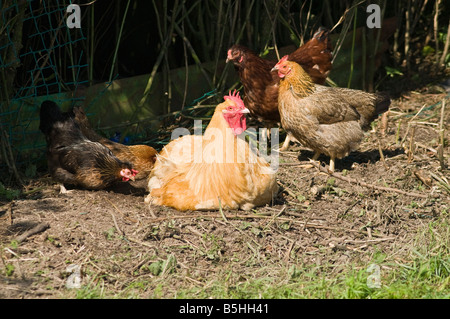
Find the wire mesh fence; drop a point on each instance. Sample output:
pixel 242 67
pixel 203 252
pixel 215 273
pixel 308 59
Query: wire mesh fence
pixel 49 56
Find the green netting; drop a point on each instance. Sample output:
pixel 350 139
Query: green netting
pixel 36 41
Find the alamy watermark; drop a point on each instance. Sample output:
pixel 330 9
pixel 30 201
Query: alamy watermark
pixel 223 146
pixel 374 19
pixel 374 279
pixel 74 18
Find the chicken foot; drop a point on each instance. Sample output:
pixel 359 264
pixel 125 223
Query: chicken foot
pixel 63 190
pixel 332 159
pixel 289 138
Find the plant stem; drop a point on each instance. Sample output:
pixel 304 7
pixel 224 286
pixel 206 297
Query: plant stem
pixel 446 46
pixel 118 42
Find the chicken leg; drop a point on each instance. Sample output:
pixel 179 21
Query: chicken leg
pixel 331 169
pixel 63 190
pixel 289 138
pixel 332 159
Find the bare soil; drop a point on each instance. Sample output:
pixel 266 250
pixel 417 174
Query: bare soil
pixel 125 249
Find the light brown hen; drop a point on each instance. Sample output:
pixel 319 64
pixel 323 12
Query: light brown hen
pixel 328 120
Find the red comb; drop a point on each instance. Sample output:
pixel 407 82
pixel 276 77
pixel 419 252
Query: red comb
pixel 283 59
pixel 235 98
pixel 134 172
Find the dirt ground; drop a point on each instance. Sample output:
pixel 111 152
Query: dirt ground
pixel 124 249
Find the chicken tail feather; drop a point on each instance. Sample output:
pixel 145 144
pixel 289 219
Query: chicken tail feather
pixel 321 34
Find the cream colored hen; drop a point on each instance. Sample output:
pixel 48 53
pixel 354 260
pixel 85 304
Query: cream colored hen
pixel 215 170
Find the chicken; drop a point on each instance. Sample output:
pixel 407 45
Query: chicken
pixel 142 157
pixel 328 120
pixel 213 171
pixel 73 159
pixel 261 85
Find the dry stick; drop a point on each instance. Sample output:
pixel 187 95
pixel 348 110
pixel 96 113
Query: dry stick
pixel 123 215
pixel 441 137
pixel 277 215
pixel 349 241
pixel 411 145
pixel 115 224
pixel 354 181
pixel 426 147
pixel 288 252
pixel 221 211
pixel 424 179
pixel 447 43
pixel 10 218
pixel 409 124
pixel 384 123
pixel 441 181
pixel 380 150
pixel 435 28
pixel 35 230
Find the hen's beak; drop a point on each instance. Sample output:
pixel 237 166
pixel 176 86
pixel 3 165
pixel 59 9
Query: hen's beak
pixel 245 110
pixel 275 68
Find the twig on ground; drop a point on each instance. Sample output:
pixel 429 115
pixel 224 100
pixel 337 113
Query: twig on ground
pixel 115 224
pixel 422 177
pixel 277 215
pixel 426 147
pixel 441 181
pixel 409 124
pixel 377 240
pixel 354 181
pixel 221 211
pixel 123 215
pixel 440 152
pixel 412 147
pixel 380 150
pixel 35 230
pixel 288 252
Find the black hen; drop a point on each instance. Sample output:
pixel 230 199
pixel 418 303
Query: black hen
pixel 73 159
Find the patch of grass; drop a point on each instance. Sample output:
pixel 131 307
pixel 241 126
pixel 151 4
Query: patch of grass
pixel 8 193
pixel 9 270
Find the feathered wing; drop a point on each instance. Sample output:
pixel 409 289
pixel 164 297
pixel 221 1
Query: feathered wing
pixel 326 105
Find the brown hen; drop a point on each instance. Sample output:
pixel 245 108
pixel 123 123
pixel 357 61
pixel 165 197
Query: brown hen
pixel 74 159
pixel 328 120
